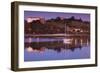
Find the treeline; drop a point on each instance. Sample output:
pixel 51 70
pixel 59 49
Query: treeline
pixel 55 25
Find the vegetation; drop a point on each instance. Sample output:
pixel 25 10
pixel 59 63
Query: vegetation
pixel 57 26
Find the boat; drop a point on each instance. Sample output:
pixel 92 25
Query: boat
pixel 67 41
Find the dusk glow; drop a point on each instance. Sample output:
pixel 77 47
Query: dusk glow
pixel 49 15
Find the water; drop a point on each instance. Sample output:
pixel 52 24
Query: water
pixel 41 49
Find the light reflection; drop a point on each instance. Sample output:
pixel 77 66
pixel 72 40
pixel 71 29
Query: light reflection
pixel 67 41
pixel 41 44
pixel 29 49
pixel 30 40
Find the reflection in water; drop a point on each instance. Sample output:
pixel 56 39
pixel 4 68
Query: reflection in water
pixel 38 49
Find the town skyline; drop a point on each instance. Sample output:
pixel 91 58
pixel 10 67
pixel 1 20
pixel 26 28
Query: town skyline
pixel 50 15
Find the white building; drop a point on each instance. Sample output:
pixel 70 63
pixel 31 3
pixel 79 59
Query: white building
pixel 30 19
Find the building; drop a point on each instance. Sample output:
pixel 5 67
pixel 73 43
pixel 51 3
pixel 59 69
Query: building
pixel 31 19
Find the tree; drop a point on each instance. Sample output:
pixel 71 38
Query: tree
pixel 72 18
pixel 58 19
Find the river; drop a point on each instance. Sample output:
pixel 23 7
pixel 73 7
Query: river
pixel 58 48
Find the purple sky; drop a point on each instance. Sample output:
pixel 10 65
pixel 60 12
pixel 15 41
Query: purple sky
pixel 49 15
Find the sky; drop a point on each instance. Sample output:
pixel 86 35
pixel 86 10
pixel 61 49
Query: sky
pixel 49 15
